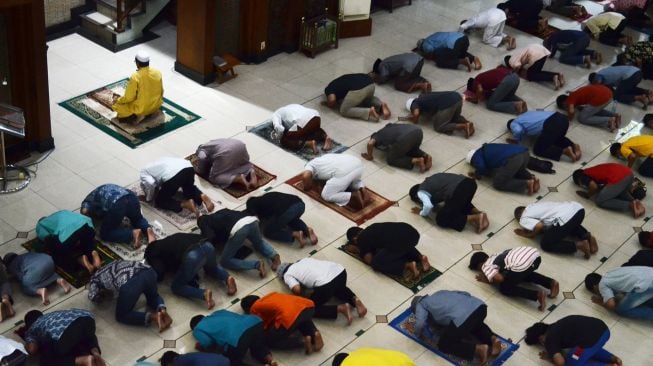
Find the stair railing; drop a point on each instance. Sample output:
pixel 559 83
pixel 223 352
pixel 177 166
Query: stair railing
pixel 121 14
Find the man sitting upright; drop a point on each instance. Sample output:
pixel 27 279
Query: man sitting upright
pixel 144 93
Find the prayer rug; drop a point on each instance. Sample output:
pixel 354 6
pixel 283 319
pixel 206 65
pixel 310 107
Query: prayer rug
pixel 378 204
pixel 184 220
pixel 236 190
pixel 537 32
pixel 74 274
pixel 266 132
pixel 405 324
pixel 126 251
pixel 95 108
pixel 406 280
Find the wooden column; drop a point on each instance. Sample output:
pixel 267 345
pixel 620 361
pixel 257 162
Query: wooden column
pixel 253 30
pixel 293 25
pixel 196 39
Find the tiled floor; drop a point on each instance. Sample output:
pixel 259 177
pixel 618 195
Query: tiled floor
pixel 85 158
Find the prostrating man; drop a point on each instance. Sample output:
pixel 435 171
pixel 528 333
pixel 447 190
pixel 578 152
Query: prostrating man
pixel 512 268
pixel 456 192
pixel 628 291
pixel 226 161
pixel 372 356
pixel 551 131
pixel 443 109
pixel 6 300
pixel 185 254
pixel 300 127
pixel 283 315
pixel 623 80
pixel 130 280
pixel 63 338
pixel 526 13
pixel 388 247
pixel 565 7
pixel 231 228
pixel 634 148
pixel 327 280
pixel 161 179
pixel 280 215
pixel 492 21
pixel 355 94
pixel 113 203
pixel 12 353
pixel 591 102
pixel 341 174
pixel 610 185
pixel 508 163
pixel 573 340
pixel 232 335
pixel 607 28
pixel 405 69
pixel 556 221
pixel 462 317
pixel 643 257
pixel 497 87
pixel 573 48
pixel 35 272
pixel 530 60
pixel 144 92
pixel 449 49
pixel 69 237
pixel 172 358
pixel 401 142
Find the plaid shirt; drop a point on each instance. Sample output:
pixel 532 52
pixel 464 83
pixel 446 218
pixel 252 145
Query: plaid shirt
pixel 113 276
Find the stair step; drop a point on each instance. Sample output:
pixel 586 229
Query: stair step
pixel 99 18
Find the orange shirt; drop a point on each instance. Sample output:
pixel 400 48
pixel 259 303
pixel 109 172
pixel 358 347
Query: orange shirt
pixel 593 94
pixel 277 309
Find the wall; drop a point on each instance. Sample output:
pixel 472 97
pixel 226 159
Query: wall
pixel 5 91
pixel 58 11
pixel 227 27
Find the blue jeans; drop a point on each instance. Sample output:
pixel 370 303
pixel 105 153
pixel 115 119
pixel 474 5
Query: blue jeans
pixel 277 228
pixel 144 282
pixel 112 229
pixel 594 353
pixel 637 305
pixel 201 257
pixel 251 232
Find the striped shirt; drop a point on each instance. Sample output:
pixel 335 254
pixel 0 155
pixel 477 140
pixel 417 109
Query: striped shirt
pixel 515 260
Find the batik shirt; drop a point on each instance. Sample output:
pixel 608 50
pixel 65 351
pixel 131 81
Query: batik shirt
pixel 640 51
pixel 103 197
pixel 49 327
pixel 113 276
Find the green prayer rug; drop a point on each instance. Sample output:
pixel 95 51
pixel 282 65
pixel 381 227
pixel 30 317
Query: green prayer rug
pixel 406 280
pixel 94 107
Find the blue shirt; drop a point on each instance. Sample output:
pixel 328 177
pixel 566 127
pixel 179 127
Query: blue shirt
pixel 51 326
pixel 445 307
pixel 201 359
pixel 492 156
pixel 613 75
pixel 625 280
pixel 440 40
pixel 224 328
pixel 529 123
pixel 102 198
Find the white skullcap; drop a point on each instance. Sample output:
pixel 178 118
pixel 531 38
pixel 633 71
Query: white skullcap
pixel 143 56
pixel 470 154
pixel 409 102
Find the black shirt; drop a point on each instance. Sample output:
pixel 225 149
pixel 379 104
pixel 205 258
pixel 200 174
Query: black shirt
pixel 643 257
pixel 342 85
pixel 433 102
pixel 166 255
pixel 217 226
pixel 391 133
pixel 573 331
pixel 271 204
pixel 395 236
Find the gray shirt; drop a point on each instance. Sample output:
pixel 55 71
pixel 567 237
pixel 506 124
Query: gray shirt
pixel 625 280
pixel 391 133
pixel 445 307
pixel 395 65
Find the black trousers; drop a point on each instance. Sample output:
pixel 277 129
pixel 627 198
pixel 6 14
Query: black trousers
pixel 553 239
pixel 454 213
pixel 76 341
pixel 16 358
pixel 336 288
pixel 283 338
pixel 184 180
pixel 646 168
pixel 627 89
pixel 553 139
pixel 81 242
pixel 511 285
pixel 535 73
pixel 611 36
pixel 295 140
pixel 392 262
pixel 401 153
pixel 448 58
pixel 459 341
pixel 252 339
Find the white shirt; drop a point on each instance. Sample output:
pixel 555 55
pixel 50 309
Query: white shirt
pixel 311 273
pixel 292 116
pixel 484 19
pixel 8 346
pixel 517 260
pixel 330 166
pixel 160 171
pixel 548 213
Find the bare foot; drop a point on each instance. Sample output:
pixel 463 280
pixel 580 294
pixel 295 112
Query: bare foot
pixel 345 310
pixel 261 269
pixel 163 320
pixel 594 246
pixel 562 80
pixel 8 308
pixel 421 164
pixel 584 246
pixel 85 361
pixel 578 152
pixel 541 299
pixel 373 115
pixel 313 145
pixel 208 297
pixel 485 222
pixel 556 82
pixel 136 236
pixel 308 346
pixel 512 43
pixel 465 62
pixel 299 236
pixel 360 308
pixel 531 186
pixel 477 63
pixel 318 342
pixel 476 220
pixel 481 352
pixel 587 62
pixel 469 130
pixel 276 261
pixel 151 236
pixel 496 346
pixel 598 57
pixel 412 267
pixel 84 261
pixel 386 110
pixel 426 266
pixel 208 204
pixel 231 286
pixel 536 186
pixel 636 209
pixel 190 206
pixel 367 156
pixel 43 292
pixel 428 161
pixel 312 236
pixel 569 152
pixel 64 285
pixel 555 289
pixel 328 144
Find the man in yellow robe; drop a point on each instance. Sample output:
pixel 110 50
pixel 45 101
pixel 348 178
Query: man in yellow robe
pixel 144 93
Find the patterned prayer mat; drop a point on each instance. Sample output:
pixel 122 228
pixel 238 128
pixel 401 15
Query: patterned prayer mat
pixel 236 190
pixel 74 273
pixel 95 108
pixel 405 324
pixel 126 251
pixel 184 220
pixel 266 132
pixel 407 280
pixel 537 32
pixel 378 204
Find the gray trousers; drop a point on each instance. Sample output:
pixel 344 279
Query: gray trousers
pixel 616 196
pixel 513 175
pixel 357 103
pixel 595 116
pixel 503 98
pixel 445 120
pixel 402 152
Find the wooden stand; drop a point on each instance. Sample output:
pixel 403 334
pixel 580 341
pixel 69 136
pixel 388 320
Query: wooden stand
pixel 319 34
pixel 390 5
pixel 223 71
